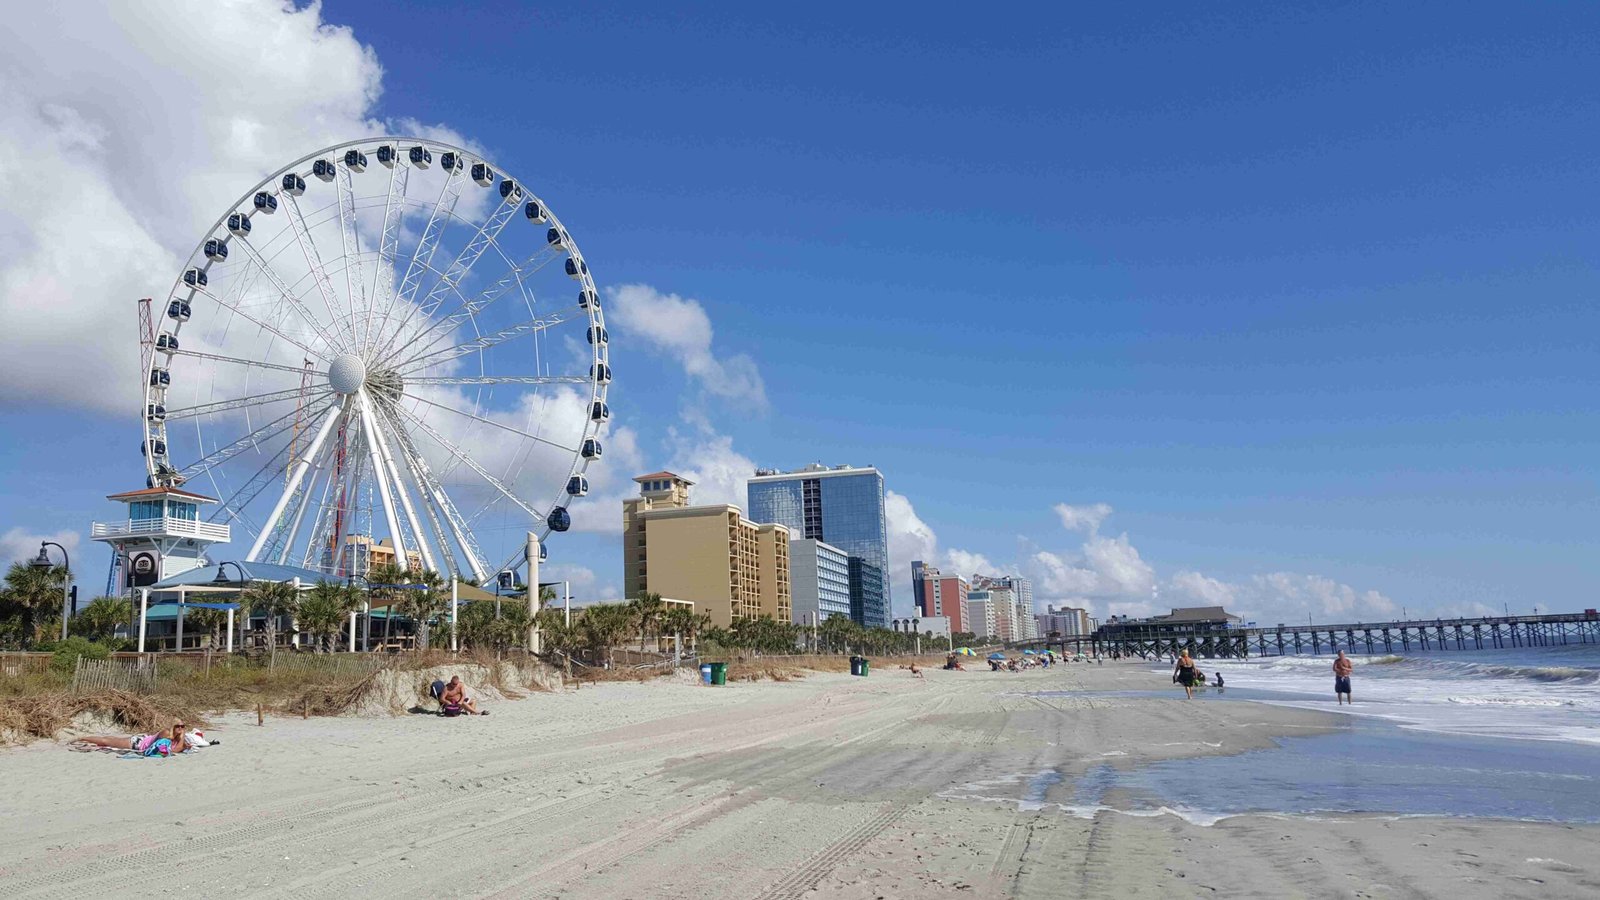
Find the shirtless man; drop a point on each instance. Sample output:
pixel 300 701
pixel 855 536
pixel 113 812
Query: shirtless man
pixel 455 693
pixel 1342 668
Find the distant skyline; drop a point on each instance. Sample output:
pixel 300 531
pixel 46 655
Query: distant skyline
pixel 1288 310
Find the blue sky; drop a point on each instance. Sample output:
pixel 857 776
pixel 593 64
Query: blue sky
pixel 1307 297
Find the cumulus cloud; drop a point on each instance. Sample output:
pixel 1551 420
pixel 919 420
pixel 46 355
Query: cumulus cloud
pixel 1082 518
pixel 1109 576
pixel 110 181
pixel 1286 596
pixel 1106 568
pixel 910 539
pixel 719 472
pixel 679 328
pixel 18 544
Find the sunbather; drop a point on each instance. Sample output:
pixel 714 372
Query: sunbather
pixel 455 694
pixel 177 741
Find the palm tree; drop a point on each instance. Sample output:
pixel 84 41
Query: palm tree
pixel 603 623
pixel 34 595
pixel 207 621
pixel 676 621
pixel 382 580
pixel 558 636
pixel 422 603
pixel 512 626
pixel 324 610
pixel 272 599
pixel 99 620
pixel 647 608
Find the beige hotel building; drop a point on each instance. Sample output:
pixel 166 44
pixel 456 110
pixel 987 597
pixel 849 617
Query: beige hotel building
pixel 728 566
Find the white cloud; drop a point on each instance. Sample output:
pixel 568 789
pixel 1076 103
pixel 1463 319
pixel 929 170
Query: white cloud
pixel 718 471
pixel 912 539
pixel 1109 576
pixel 679 327
pixel 1082 518
pixel 110 181
pixel 1107 569
pixel 17 545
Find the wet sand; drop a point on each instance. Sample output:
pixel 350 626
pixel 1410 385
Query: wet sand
pixel 829 786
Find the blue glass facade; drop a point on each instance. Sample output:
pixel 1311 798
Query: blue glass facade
pixel 843 507
pixel 869 594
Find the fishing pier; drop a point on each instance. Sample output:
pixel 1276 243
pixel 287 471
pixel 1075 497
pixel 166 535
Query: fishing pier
pixel 1228 641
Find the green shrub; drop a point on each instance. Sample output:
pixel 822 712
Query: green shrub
pixel 64 654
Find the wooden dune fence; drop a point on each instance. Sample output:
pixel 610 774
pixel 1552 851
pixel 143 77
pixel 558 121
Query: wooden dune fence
pixel 92 675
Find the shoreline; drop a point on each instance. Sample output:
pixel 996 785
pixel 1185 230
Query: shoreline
pixel 844 786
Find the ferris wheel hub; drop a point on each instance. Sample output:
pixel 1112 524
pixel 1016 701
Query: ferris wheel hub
pixel 347 373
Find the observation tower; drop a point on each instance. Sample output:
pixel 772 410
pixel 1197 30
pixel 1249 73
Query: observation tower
pixel 161 536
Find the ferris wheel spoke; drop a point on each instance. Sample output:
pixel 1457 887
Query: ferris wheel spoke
pixel 437 532
pixel 445 326
pixel 477 418
pixel 249 363
pixel 290 297
pixel 502 379
pixel 383 284
pixel 468 257
pixel 231 509
pixel 462 266
pixel 243 402
pixel 319 276
pixel 509 333
pixel 434 495
pixel 228 451
pixel 422 255
pixel 270 329
pixel 470 463
pixel 355 281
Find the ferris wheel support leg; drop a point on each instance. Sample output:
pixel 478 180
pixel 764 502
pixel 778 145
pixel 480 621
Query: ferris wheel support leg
pixel 533 594
pixel 380 475
pixel 299 515
pixel 300 467
pixel 399 487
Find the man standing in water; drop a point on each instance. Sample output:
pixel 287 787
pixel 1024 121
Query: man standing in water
pixel 1341 679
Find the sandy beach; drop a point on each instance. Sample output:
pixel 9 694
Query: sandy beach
pixel 883 787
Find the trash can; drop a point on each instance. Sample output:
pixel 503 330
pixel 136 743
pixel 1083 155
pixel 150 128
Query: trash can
pixel 858 665
pixel 719 673
pixel 866 667
pixel 705 672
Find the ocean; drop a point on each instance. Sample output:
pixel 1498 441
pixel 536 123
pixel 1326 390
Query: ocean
pixel 1511 734
pixel 1534 693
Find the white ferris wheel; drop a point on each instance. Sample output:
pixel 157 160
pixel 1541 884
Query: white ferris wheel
pixel 388 339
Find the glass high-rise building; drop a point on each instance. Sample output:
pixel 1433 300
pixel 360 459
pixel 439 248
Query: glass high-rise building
pixel 842 506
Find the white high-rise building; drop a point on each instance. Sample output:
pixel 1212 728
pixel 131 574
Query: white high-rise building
pixel 819 581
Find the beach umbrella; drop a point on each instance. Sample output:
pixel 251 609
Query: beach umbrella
pixel 1029 653
pixel 997 656
pixel 966 651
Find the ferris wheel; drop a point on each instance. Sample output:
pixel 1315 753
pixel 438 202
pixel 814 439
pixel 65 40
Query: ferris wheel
pixel 388 342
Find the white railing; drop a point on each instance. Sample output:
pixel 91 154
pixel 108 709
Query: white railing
pixel 210 531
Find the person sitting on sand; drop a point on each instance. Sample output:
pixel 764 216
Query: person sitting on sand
pixel 1218 682
pixel 147 744
pixel 916 672
pixel 455 694
pixel 1185 671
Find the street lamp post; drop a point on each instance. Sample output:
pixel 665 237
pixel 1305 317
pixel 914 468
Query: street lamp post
pixel 42 561
pixel 221 580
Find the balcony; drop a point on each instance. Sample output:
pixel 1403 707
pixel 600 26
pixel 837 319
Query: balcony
pixel 164 527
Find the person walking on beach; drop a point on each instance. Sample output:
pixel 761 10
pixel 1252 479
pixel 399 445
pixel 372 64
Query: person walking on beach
pixel 1185 673
pixel 1342 668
